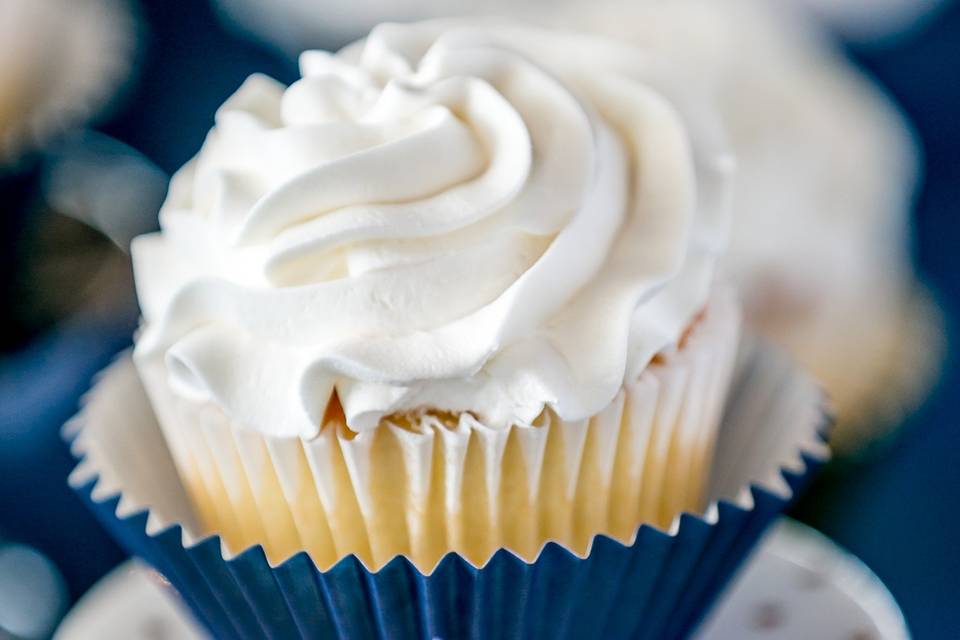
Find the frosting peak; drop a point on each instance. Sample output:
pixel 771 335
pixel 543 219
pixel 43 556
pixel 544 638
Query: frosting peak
pixel 464 216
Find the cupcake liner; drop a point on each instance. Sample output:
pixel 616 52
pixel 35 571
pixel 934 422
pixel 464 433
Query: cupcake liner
pixel 657 586
pixel 426 484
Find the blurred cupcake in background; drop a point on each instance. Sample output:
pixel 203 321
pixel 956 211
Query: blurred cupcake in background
pixel 60 63
pixel 827 167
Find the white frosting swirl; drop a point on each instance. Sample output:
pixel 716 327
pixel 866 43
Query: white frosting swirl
pixel 457 215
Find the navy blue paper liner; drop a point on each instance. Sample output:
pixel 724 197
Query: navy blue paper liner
pixel 660 586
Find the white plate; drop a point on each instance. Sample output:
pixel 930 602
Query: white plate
pixel 798 585
pixel 132 602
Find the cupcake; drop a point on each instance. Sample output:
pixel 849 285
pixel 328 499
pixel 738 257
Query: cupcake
pixel 439 322
pixel 60 62
pixel 422 291
pixel 819 244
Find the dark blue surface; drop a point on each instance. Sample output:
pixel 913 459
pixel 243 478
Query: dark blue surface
pixel 39 388
pixel 190 64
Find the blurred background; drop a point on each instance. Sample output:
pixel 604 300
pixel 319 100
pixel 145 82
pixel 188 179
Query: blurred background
pixel 102 100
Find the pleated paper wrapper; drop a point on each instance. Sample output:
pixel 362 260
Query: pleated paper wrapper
pixel 656 583
pixel 423 484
